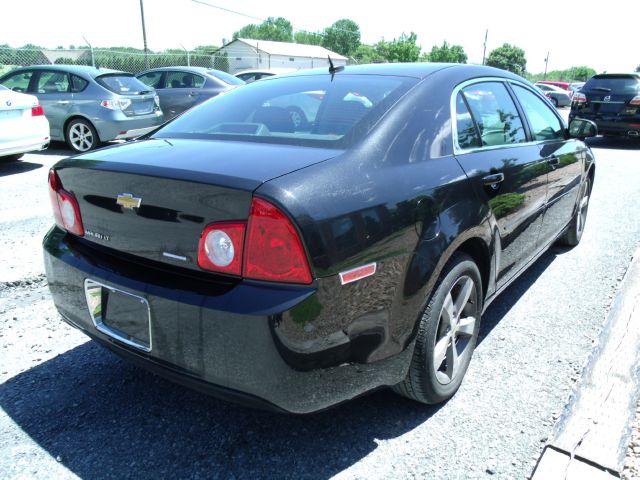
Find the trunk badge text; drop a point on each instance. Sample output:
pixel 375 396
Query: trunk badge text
pixel 127 200
pixel 99 236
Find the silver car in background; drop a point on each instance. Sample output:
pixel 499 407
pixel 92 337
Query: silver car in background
pixel 181 88
pixel 86 106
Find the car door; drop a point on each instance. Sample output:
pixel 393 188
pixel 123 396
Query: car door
pixel 181 92
pixel 18 81
pixel 564 159
pixel 53 89
pixel 504 167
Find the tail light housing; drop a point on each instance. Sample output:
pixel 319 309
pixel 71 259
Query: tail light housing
pixel 266 247
pixel 66 210
pixel 635 100
pixel 579 98
pixel 37 111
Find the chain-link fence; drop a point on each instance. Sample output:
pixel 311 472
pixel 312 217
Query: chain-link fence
pixel 133 61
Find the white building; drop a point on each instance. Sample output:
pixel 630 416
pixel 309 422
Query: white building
pixel 244 53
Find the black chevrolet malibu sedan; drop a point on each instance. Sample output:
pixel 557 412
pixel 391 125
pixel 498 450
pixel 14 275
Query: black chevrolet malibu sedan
pixel 294 265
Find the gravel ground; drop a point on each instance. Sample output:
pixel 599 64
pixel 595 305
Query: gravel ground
pixel 71 409
pixel 632 463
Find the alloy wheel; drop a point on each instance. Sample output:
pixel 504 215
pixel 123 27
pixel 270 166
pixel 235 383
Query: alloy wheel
pixel 456 327
pixel 81 137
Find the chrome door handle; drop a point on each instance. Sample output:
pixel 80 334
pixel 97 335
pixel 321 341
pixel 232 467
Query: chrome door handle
pixel 553 161
pixel 63 102
pixel 493 180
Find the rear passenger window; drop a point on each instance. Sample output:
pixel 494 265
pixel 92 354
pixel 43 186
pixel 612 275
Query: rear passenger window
pixel 495 114
pixel 544 123
pixel 53 82
pixel 183 80
pixel 78 84
pixel 467 133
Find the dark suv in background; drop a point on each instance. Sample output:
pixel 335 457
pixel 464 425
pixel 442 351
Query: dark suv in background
pixel 612 101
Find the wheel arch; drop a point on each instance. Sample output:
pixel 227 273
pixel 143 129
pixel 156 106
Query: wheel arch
pixel 77 116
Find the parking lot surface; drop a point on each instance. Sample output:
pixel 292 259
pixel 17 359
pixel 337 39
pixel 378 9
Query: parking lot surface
pixel 71 409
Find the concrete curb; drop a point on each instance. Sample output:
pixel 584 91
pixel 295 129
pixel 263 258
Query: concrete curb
pixel 591 436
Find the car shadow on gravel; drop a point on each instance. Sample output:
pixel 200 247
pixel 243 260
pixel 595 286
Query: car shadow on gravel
pixel 12 168
pixel 102 417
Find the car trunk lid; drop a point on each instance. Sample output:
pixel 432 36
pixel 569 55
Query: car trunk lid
pixel 153 198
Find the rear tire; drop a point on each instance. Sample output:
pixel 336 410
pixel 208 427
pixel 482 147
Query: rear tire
pixel 12 158
pixel 447 334
pixel 81 136
pixel 573 235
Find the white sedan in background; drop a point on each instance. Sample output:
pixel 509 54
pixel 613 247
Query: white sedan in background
pixel 23 126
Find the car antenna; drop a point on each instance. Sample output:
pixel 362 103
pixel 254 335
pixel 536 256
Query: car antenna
pixel 333 69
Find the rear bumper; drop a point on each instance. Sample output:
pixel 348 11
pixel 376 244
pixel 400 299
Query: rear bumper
pixel 25 137
pixel 223 343
pixel 613 125
pixel 116 125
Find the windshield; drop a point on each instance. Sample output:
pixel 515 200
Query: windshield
pixel 122 84
pixel 225 77
pixel 620 84
pixel 310 110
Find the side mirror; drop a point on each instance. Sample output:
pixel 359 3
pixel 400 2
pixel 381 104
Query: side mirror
pixel 581 128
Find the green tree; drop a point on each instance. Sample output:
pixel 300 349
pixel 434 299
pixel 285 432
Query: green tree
pixel 277 29
pixel 508 57
pixel 402 49
pixel 368 54
pixel 342 37
pixel 308 38
pixel 447 54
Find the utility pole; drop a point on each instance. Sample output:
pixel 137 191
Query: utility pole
pixel 188 55
pixel 484 51
pixel 144 36
pixel 546 62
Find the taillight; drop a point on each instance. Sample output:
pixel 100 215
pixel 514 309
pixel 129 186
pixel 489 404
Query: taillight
pixel 266 247
pixel 37 111
pixel 635 100
pixel 274 250
pixel 66 210
pixel 116 104
pixel 579 98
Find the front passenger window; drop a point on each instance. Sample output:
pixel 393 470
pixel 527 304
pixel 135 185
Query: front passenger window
pixel 544 123
pixel 18 82
pixel 495 114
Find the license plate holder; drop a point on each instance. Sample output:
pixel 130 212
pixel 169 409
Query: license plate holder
pixel 119 314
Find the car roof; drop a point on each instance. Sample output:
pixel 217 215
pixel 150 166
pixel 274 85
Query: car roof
pixel 92 72
pixel 185 68
pixel 415 70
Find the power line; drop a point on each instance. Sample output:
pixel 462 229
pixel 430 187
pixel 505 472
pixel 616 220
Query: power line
pixel 266 20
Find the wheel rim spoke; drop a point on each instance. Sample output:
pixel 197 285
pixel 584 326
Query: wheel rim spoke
pixel 440 352
pixel 466 326
pixel 452 360
pixel 464 295
pixel 448 311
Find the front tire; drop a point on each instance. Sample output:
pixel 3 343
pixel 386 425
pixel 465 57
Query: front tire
pixel 573 235
pixel 81 136
pixel 447 334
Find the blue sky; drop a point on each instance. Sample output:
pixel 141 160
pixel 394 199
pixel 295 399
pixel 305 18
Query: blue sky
pixel 568 30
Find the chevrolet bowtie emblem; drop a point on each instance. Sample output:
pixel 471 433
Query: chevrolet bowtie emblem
pixel 127 200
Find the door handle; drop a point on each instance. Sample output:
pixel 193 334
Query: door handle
pixel 192 94
pixel 553 161
pixel 63 102
pixel 493 180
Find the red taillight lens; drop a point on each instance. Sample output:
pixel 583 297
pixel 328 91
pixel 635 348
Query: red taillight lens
pixel 37 111
pixel 267 247
pixel 66 210
pixel 274 251
pixel 579 98
pixel 221 246
pixel 635 100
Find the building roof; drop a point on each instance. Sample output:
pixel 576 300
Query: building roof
pixel 286 49
pixel 53 55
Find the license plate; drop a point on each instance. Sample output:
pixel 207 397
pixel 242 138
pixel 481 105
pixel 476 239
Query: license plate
pixel 119 314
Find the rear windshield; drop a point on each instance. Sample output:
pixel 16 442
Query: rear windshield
pixel 620 84
pixel 304 110
pixel 122 84
pixel 225 77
